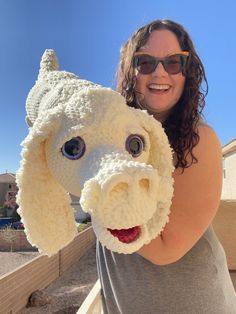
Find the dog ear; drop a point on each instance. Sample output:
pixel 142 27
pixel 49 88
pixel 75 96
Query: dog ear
pixel 44 205
pixel 160 154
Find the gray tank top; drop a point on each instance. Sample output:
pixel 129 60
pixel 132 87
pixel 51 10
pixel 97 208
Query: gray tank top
pixel 199 283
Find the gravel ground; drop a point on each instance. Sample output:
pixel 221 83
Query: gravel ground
pixel 68 291
pixel 12 260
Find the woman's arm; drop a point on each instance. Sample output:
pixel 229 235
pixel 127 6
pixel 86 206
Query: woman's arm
pixel 195 202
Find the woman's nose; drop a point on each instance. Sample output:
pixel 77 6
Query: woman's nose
pixel 159 70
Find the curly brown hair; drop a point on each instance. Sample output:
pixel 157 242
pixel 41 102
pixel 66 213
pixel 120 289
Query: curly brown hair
pixel 181 124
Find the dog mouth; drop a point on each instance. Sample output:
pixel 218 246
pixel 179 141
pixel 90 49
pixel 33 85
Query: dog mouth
pixel 126 235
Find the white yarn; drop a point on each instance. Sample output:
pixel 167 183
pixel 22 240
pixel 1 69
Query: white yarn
pixel 118 190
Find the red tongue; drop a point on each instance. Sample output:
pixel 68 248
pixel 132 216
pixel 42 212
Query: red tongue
pixel 126 235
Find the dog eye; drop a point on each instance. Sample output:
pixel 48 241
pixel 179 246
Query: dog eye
pixel 74 148
pixel 135 144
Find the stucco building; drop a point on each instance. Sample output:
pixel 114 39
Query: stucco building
pixel 229 171
pixel 6 182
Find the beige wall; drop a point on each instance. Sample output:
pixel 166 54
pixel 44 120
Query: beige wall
pixel 19 243
pixel 224 225
pixel 229 180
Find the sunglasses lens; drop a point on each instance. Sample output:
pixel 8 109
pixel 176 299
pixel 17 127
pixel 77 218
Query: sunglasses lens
pixel 174 64
pixel 145 64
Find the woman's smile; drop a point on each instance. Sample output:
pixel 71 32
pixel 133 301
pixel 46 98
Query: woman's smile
pixel 159 89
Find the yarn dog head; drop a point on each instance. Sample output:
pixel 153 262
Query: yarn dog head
pixel 84 140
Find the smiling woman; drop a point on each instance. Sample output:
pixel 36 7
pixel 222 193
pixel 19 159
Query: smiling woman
pixel 161 87
pixel 184 270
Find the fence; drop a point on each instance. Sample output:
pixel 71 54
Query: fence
pixel 17 286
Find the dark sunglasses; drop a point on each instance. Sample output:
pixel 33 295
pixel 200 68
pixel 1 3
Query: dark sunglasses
pixel 173 64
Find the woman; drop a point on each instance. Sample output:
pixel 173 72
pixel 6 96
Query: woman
pixel 184 270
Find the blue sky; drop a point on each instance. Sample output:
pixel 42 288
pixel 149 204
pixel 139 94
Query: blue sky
pixel 87 35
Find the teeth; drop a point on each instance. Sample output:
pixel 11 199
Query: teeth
pixel 159 86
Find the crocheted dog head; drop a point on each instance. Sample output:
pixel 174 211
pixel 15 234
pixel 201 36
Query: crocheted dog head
pixel 86 141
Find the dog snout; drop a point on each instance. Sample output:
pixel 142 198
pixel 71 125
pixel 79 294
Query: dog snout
pixel 127 186
pixel 129 198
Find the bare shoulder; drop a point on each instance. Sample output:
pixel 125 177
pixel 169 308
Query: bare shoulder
pixel 207 137
pixel 208 150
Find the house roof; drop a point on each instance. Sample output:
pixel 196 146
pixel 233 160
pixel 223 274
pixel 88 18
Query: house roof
pixel 7 178
pixel 229 147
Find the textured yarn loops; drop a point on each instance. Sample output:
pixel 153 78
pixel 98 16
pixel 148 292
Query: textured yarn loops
pixel 78 143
